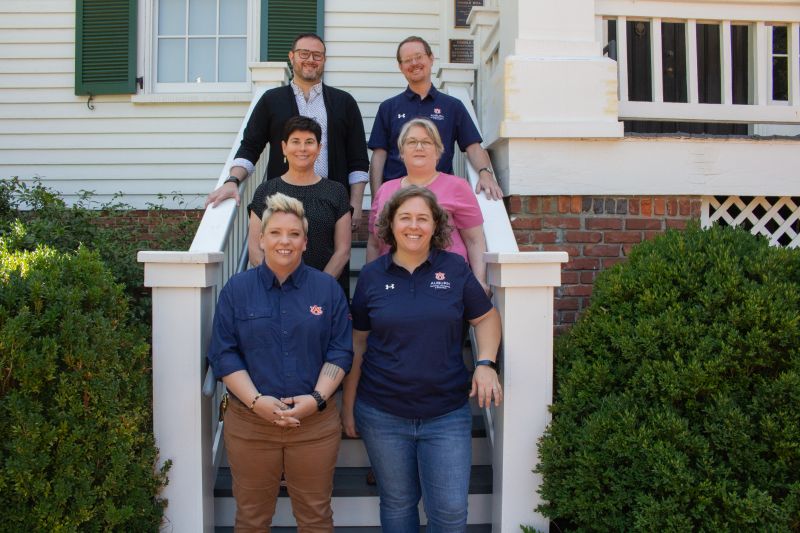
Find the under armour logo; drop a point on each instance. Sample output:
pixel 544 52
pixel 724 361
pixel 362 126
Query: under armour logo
pixel 389 286
pixel 401 115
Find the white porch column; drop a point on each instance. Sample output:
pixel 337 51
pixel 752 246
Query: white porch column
pixel 555 70
pixel 183 286
pixel 523 285
pixel 269 74
pixel 457 75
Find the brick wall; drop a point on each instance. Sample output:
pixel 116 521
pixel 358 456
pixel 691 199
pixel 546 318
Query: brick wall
pixel 150 224
pixel 597 232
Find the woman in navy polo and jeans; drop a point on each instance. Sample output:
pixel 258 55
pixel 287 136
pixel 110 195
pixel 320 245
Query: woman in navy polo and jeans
pixel 407 392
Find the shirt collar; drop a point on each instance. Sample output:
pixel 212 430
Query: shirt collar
pixel 433 93
pixel 315 90
pixel 295 279
pixel 390 265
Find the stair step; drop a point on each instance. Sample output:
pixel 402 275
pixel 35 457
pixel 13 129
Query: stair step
pixel 355 504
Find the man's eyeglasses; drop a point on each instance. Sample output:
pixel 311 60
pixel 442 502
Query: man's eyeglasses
pixel 414 143
pixel 305 54
pixel 413 59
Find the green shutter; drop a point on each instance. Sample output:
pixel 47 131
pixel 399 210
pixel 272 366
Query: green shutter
pixel 105 47
pixel 283 20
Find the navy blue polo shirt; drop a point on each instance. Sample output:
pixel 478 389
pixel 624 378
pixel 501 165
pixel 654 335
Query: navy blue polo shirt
pixel 281 334
pixel 413 366
pixel 448 113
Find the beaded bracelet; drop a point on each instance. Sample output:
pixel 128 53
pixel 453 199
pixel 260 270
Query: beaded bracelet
pixel 253 403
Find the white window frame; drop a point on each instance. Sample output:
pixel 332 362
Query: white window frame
pixel 148 52
pixel 770 55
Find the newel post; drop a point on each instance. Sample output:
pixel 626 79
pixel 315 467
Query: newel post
pixel 183 286
pixel 523 285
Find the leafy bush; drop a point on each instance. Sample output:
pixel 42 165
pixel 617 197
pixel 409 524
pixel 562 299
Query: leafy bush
pixel 77 452
pixel 678 392
pixel 33 215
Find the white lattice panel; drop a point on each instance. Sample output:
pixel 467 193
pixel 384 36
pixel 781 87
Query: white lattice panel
pixel 775 217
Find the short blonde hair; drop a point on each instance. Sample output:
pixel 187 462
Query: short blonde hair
pixel 430 129
pixel 280 203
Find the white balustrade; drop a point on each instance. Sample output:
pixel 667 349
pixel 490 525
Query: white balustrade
pixel 758 16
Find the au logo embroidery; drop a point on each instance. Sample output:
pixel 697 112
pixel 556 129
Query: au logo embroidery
pixel 315 310
pixel 440 276
pixel 437 110
pixel 440 283
pixel 389 286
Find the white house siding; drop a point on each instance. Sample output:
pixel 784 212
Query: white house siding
pixel 141 150
pixel 149 149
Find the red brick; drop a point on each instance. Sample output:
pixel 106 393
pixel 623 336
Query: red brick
pixel 522 236
pixel 611 261
pixel 543 236
pixel 633 206
pixel 563 204
pixel 515 204
pixel 560 330
pixel 567 304
pixel 696 208
pixel 572 250
pixel 622 236
pixel 646 207
pixel 626 249
pixel 684 207
pixel 652 234
pixel 586 277
pixel 561 222
pixel 524 222
pixel 575 205
pixel 568 317
pixel 549 205
pixel 601 250
pixel 643 223
pixel 571 277
pixel 676 223
pixel 577 290
pixel 658 206
pixel 672 207
pixel 530 247
pixel 583 236
pixel 603 223
pixel 583 263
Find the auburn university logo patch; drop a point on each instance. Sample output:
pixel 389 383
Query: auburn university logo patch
pixel 315 310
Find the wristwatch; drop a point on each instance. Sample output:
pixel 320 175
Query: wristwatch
pixel 321 404
pixel 486 362
pixel 233 179
pixel 487 169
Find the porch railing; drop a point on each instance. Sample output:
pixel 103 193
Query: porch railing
pixel 769 97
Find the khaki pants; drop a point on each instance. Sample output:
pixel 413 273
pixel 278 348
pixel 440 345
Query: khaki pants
pixel 259 452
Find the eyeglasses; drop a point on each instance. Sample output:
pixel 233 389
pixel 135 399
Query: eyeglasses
pixel 414 143
pixel 305 54
pixel 413 59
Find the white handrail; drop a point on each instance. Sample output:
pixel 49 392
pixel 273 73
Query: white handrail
pixel 496 225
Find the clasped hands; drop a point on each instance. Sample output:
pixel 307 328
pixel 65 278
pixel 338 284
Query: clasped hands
pixel 285 412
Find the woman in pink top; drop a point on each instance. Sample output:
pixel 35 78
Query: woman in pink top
pixel 420 148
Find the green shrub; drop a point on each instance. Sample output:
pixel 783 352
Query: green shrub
pixel 33 215
pixel 678 392
pixel 77 452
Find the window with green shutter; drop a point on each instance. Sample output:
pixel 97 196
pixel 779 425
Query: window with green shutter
pixel 282 20
pixel 105 47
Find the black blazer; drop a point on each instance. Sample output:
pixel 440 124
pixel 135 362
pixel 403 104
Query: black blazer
pixel 347 144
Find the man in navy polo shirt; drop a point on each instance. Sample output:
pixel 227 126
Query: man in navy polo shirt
pixel 422 99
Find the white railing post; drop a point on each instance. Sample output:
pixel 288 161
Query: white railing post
pixel 523 285
pixel 726 59
pixel 692 77
pixel 656 61
pixel 183 286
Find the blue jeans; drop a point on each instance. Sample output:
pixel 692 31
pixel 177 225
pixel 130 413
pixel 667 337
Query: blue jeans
pixel 413 457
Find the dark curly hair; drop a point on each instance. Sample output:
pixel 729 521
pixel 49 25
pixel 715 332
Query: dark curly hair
pixel 441 231
pixel 301 123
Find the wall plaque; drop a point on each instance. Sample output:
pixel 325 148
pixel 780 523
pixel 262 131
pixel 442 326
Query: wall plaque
pixel 461 51
pixel 463 7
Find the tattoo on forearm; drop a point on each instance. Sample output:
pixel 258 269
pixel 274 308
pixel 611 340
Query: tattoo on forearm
pixel 331 371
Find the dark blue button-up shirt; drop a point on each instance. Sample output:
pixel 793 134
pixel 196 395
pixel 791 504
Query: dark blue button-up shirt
pixel 281 334
pixel 413 366
pixel 448 113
